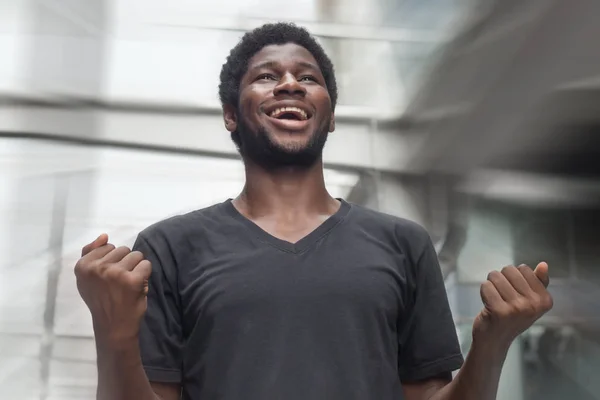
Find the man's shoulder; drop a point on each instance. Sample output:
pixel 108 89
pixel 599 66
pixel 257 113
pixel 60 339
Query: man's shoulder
pixel 401 227
pixel 184 223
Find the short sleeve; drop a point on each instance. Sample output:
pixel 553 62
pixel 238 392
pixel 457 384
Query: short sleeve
pixel 161 338
pixel 428 343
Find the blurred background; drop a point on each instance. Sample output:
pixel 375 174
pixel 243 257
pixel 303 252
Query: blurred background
pixel 479 119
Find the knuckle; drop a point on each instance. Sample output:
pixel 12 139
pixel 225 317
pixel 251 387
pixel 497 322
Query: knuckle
pixel 492 275
pixel 138 255
pixel 485 287
pixel 147 264
pixel 84 267
pixel 506 268
pixel 96 264
pixel 514 307
pixel 526 307
pixel 523 268
pixel 536 301
pixel 532 310
pixel 509 269
pixel 112 272
pixel 79 268
pixel 543 302
pixel 132 280
pixel 547 302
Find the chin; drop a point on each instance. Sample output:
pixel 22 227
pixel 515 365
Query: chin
pixel 275 148
pixel 291 146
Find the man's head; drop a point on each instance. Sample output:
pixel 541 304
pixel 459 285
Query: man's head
pixel 278 92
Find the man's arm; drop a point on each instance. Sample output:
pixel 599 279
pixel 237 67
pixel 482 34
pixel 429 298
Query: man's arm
pixel 117 286
pixel 428 345
pixel 514 299
pixel 121 376
pixel 167 391
pixel 477 379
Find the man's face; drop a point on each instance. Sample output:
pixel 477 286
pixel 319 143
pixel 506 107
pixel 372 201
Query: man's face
pixel 284 113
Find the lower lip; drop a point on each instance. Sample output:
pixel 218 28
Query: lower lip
pixel 289 124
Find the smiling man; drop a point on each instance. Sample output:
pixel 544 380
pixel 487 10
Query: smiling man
pixel 286 293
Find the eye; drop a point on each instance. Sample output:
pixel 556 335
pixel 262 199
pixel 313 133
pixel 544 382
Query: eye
pixel 265 77
pixel 308 78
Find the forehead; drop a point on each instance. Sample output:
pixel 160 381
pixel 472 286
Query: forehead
pixel 287 55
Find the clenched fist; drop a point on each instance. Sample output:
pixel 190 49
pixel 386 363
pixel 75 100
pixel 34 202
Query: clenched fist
pixel 113 282
pixel 513 300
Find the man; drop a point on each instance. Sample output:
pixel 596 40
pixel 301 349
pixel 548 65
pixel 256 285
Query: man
pixel 286 293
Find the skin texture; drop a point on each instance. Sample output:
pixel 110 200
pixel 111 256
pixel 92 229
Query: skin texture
pixel 113 282
pixel 514 298
pixel 285 190
pixel 279 76
pixel 285 195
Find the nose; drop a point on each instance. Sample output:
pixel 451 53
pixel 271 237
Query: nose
pixel 288 84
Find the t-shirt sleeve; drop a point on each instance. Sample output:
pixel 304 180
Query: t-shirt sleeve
pixel 161 338
pixel 428 344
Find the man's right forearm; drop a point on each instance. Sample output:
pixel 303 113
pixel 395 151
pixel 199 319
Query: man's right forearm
pixel 121 375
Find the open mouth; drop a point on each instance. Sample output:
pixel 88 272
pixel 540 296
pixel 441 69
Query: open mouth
pixel 290 113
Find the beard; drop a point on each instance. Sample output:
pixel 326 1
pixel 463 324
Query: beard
pixel 259 148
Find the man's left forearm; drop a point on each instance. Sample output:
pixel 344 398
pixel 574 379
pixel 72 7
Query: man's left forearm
pixel 479 377
pixel 513 300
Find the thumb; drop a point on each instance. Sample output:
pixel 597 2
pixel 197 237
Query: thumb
pixel 541 271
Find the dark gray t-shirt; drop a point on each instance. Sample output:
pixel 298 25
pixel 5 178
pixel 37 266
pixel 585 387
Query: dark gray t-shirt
pixel 347 313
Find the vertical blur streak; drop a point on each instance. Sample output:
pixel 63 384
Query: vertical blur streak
pixel 77 31
pixel 57 229
pixel 571 246
pixel 455 238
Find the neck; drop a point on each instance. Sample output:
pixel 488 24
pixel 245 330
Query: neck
pixel 298 191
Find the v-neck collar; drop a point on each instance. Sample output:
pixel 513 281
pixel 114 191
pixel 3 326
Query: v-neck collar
pixel 300 246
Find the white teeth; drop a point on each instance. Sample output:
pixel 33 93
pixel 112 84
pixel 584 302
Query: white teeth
pixel 282 110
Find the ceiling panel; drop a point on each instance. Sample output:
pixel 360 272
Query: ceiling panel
pixel 172 52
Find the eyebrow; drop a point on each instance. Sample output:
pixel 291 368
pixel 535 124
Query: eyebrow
pixel 274 65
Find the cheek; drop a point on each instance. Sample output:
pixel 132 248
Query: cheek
pixel 324 100
pixel 246 109
pixel 250 104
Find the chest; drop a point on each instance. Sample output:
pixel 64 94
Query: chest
pixel 291 231
pixel 232 287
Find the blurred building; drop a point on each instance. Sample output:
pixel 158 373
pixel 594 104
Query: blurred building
pixel 477 119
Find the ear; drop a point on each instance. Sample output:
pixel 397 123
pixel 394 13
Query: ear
pixel 229 117
pixel 332 122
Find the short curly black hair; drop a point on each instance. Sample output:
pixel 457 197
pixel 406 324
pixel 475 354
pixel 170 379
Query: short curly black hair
pixel 271 34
